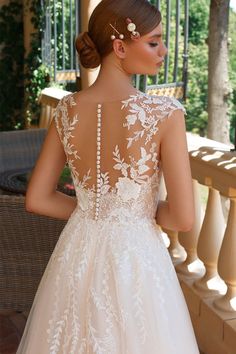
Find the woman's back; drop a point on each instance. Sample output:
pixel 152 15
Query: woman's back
pixel 113 150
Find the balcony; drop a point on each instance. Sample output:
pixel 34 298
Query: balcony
pixel 204 257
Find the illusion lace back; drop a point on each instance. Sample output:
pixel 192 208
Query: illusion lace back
pixel 110 286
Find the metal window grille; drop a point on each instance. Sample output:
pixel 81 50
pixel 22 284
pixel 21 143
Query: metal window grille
pixel 59 33
pixel 62 25
pixel 173 81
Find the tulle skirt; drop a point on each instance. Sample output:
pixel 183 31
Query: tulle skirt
pixel 109 288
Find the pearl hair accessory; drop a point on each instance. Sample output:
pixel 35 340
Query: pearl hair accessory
pixel 131 27
pixel 121 36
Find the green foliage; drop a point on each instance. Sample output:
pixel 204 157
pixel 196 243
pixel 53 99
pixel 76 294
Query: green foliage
pixel 232 73
pixel 39 79
pixel 198 21
pixel 11 67
pixel 160 79
pixel 196 105
pixel 37 75
pixel 63 47
pixel 12 95
pixel 197 116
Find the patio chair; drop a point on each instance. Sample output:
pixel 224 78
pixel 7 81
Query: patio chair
pixel 26 240
pixel 19 149
pixel 26 243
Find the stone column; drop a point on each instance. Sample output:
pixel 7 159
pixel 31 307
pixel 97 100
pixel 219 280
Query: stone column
pixel 227 263
pixel 88 76
pixel 28 26
pixel 189 240
pixel 28 30
pixel 209 242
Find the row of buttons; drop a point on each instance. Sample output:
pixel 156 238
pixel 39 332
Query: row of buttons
pixel 98 194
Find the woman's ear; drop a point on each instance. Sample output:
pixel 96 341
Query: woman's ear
pixel 119 48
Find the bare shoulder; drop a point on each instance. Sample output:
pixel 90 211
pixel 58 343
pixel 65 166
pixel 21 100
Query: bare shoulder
pixel 170 113
pixel 80 95
pixel 174 121
pixel 86 95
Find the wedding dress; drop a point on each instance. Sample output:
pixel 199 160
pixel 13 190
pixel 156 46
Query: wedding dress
pixel 110 286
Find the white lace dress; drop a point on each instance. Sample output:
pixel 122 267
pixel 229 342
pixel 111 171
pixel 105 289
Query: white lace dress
pixel 110 286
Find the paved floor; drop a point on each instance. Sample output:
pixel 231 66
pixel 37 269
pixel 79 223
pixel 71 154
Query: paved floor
pixel 11 328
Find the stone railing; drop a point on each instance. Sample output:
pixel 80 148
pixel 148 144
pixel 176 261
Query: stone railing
pixel 49 99
pixel 205 257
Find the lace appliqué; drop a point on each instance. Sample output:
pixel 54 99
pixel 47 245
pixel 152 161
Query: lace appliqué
pixel 144 109
pixel 149 112
pixel 135 169
pixel 65 126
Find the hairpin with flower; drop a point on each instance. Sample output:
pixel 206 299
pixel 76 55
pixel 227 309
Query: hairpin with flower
pixel 131 27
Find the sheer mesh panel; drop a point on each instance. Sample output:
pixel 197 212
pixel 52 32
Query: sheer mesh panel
pixel 130 143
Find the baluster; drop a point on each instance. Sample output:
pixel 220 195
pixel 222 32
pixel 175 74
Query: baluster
pixel 210 240
pixel 227 262
pixel 176 251
pixel 162 189
pixel 189 239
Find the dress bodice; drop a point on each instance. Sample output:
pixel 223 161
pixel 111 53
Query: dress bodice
pixel 113 151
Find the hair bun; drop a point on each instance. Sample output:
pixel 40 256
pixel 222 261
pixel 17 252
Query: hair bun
pixel 87 51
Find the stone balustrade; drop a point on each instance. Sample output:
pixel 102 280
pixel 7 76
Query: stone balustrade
pixel 49 99
pixel 208 272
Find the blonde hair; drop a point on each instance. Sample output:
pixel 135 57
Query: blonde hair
pixel 96 43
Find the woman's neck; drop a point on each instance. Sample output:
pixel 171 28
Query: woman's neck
pixel 112 83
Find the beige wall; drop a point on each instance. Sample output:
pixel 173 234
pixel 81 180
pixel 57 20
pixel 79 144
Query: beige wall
pixel 3 2
pixel 87 6
pixel 28 27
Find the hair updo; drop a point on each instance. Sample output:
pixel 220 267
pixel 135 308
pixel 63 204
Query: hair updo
pixel 95 44
pixel 88 54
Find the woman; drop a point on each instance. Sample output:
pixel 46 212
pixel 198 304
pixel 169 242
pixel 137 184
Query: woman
pixel 110 286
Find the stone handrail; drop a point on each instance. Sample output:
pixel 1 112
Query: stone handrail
pixel 49 99
pixel 207 270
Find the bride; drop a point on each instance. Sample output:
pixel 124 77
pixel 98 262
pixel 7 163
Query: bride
pixel 110 286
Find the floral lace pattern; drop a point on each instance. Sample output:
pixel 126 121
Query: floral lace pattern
pixel 110 286
pixel 132 259
pixel 150 111
pixel 146 110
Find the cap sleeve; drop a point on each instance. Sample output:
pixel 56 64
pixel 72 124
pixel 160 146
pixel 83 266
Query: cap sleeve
pixel 174 104
pixel 57 117
pixel 164 106
pixel 61 116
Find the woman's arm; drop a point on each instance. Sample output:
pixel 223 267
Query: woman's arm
pixel 177 213
pixel 42 197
